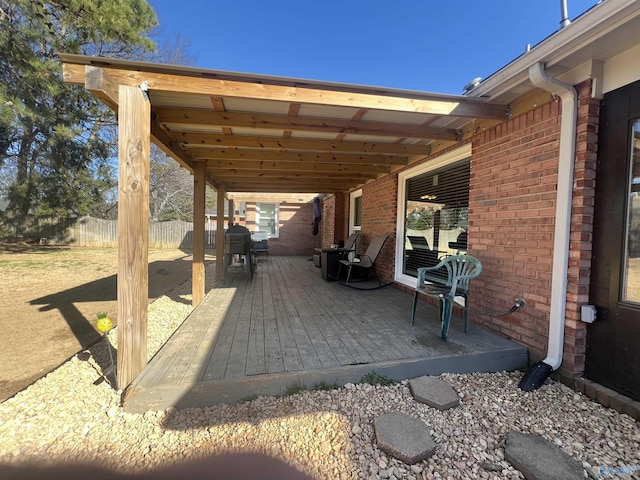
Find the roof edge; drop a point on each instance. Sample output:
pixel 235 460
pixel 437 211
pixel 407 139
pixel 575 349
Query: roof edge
pixel 583 31
pixel 161 68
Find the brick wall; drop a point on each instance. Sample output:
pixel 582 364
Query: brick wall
pixel 379 200
pixel 335 221
pixel 328 221
pixel 579 275
pixel 295 237
pixel 341 212
pixel 513 188
pixel 511 224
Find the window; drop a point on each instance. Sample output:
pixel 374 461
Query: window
pixel 433 213
pixel 267 218
pixel 631 265
pixel 355 215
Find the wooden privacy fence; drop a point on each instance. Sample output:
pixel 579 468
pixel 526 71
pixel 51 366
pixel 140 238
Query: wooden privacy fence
pixel 95 232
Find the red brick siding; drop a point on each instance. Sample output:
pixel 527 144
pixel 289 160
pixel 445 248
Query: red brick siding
pixel 581 238
pixel 329 221
pixel 334 219
pixel 511 224
pixel 346 211
pixel 341 217
pixel 295 236
pixel 379 200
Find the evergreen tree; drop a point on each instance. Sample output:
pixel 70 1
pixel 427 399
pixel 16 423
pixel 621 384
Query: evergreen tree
pixel 53 143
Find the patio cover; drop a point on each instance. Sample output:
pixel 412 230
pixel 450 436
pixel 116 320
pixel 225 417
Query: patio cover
pixel 259 133
pixel 252 133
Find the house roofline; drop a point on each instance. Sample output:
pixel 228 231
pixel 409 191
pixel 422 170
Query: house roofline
pixel 564 49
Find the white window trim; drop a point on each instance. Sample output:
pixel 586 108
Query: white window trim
pixel 352 211
pixel 441 161
pixel 257 222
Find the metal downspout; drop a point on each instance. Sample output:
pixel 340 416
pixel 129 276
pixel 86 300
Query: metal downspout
pixel 566 161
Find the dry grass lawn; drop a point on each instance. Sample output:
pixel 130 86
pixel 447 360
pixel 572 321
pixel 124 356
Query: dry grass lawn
pixel 51 296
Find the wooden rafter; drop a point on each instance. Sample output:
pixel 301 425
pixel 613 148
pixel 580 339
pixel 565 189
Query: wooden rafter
pixel 218 106
pixel 248 173
pixel 201 117
pixel 294 108
pixel 312 167
pixel 213 140
pixel 253 154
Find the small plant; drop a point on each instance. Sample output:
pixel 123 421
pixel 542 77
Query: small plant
pixel 249 398
pixel 374 378
pixel 292 390
pixel 325 386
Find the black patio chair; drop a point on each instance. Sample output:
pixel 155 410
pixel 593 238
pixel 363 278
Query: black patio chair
pixel 366 262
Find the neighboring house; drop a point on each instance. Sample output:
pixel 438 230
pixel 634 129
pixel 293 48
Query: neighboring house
pixel 548 198
pixel 211 216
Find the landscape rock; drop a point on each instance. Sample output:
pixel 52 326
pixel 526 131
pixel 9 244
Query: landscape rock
pixel 63 417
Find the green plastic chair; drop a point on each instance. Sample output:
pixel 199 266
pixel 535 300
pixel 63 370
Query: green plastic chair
pixel 447 280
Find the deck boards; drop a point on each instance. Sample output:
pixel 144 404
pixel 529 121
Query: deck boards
pixel 287 321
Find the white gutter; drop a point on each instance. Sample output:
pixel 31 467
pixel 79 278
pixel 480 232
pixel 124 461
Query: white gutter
pixel 566 160
pixel 584 31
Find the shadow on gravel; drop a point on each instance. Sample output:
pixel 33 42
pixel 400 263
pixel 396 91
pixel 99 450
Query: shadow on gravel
pixel 162 278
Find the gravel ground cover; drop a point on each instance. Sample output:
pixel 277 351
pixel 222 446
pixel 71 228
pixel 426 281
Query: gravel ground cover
pixel 74 415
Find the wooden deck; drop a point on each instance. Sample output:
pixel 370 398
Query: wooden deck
pixel 288 327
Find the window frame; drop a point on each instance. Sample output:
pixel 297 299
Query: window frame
pixel 277 219
pixel 439 162
pixel 353 228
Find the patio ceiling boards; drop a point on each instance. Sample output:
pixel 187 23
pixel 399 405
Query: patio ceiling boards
pixel 270 134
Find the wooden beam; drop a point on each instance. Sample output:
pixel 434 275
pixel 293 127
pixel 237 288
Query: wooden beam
pixel 292 186
pixel 102 86
pixel 218 106
pixel 301 167
pixel 213 140
pixel 198 272
pixel 295 157
pixel 133 232
pixel 202 117
pixel 73 73
pixel 283 179
pixel 168 146
pixel 241 174
pixel 221 191
pixel 429 103
pixel 261 188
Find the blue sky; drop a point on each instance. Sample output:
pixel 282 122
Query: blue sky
pixel 428 45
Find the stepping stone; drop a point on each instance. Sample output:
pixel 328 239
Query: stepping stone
pixel 434 392
pixel 404 437
pixel 539 459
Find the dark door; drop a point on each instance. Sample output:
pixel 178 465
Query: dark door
pixel 613 341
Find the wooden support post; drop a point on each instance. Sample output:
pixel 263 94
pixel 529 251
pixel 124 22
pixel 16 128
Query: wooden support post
pixel 220 234
pixel 232 212
pixel 198 273
pixel 134 117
